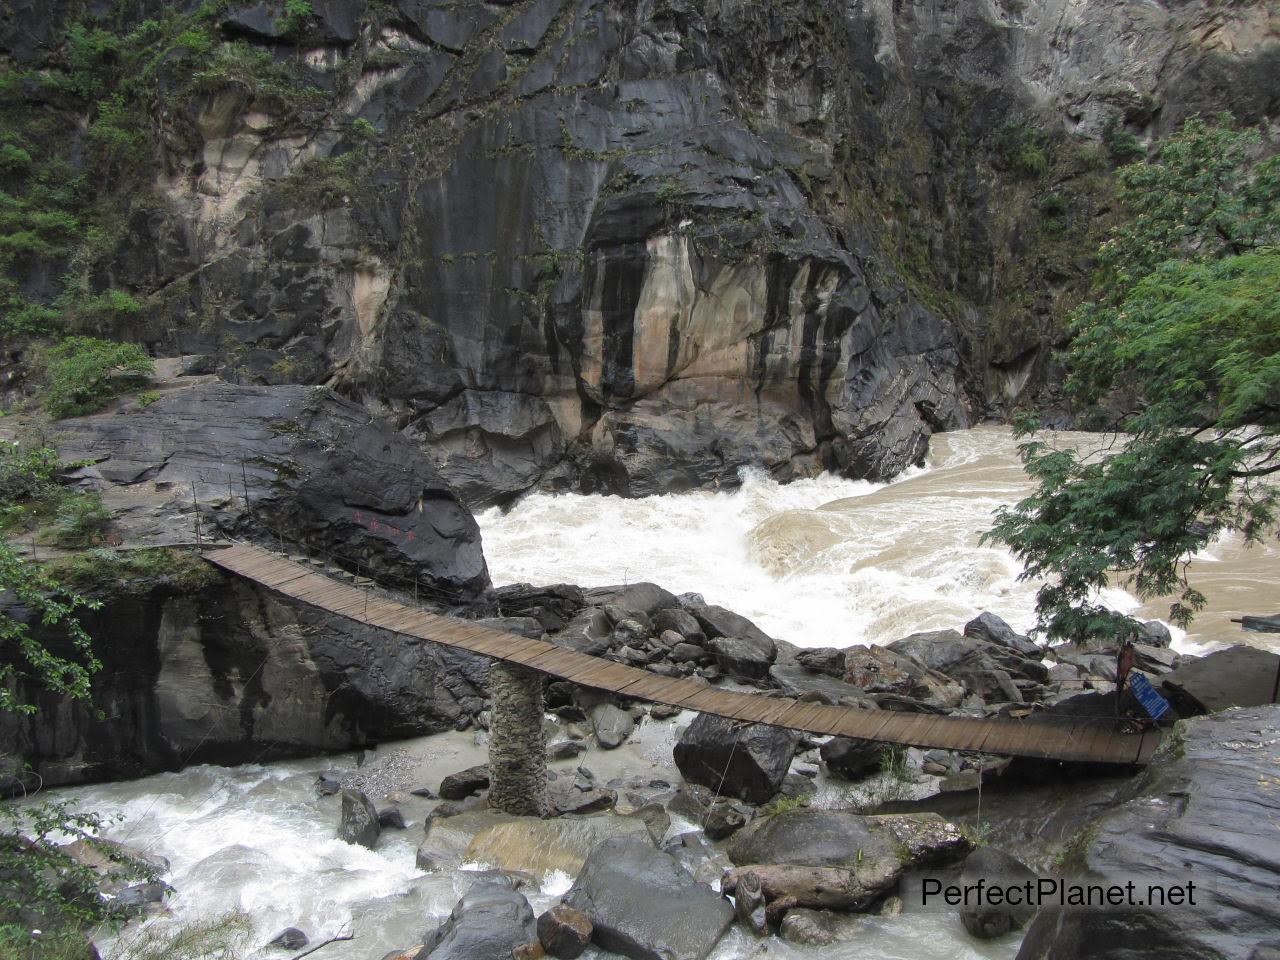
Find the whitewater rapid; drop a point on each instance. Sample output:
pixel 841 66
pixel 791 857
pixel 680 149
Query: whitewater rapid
pixel 817 562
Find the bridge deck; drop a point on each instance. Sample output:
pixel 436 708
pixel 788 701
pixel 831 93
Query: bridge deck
pixel 1060 739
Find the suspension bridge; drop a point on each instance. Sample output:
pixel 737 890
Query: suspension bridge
pixel 1062 738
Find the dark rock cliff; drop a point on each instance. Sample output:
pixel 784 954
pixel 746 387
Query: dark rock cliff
pixel 232 674
pixel 633 246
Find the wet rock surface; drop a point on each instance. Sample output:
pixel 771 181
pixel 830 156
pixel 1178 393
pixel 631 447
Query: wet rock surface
pixel 998 868
pixel 748 761
pixel 490 921
pixel 1192 815
pixel 642 904
pixel 360 823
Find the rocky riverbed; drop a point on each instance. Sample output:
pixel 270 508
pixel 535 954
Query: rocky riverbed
pixel 648 868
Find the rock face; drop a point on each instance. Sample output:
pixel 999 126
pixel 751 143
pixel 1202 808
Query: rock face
pixel 642 904
pixel 230 673
pixel 490 921
pixel 1193 815
pixel 634 246
pixel 748 761
pixel 263 460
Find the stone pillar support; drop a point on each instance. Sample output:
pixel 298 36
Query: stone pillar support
pixel 517 751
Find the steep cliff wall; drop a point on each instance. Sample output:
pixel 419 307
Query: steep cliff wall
pixel 626 246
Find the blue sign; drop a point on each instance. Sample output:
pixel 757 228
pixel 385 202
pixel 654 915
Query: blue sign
pixel 1155 705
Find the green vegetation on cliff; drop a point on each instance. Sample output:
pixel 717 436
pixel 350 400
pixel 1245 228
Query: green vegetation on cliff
pixel 1182 338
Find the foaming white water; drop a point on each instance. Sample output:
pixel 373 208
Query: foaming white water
pixel 819 562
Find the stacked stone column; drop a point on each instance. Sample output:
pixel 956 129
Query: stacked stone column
pixel 517 751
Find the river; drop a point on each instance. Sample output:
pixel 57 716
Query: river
pixel 820 562
pixel 833 562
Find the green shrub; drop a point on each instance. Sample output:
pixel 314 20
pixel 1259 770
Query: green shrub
pixel 296 15
pixel 1020 148
pixel 81 521
pixel 147 398
pixel 13 159
pixel 117 133
pixel 785 804
pixel 83 374
pixel 42 883
pixel 363 129
pixel 26 472
pixel 1054 205
pixel 105 572
pixel 1123 146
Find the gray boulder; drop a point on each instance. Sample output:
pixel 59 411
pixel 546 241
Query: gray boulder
pixel 719 622
pixel 644 905
pixel 681 622
pixel 743 658
pixel 612 725
pixel 987 626
pixel 486 924
pixel 827 660
pixel 808 837
pixel 1199 813
pixel 359 823
pixel 460 785
pixel 747 761
pixel 851 758
pixel 1237 676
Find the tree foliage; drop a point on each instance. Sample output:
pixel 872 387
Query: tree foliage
pixel 27 476
pixel 83 373
pixel 1182 338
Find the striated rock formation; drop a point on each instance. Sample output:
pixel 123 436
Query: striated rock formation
pixel 633 246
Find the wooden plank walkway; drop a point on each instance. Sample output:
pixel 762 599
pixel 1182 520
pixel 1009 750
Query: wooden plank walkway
pixel 1059 739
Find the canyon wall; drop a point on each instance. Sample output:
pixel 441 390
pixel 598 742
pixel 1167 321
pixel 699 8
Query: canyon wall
pixel 633 246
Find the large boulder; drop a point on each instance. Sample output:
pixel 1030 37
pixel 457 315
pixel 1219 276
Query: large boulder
pixel 744 760
pixel 644 905
pixel 955 655
pixel 881 671
pixel 359 823
pixel 1238 676
pixel 1202 812
pixel 719 622
pixel 490 921
pixel 743 658
pixel 835 859
pixel 987 626
pixel 261 461
pixel 810 837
